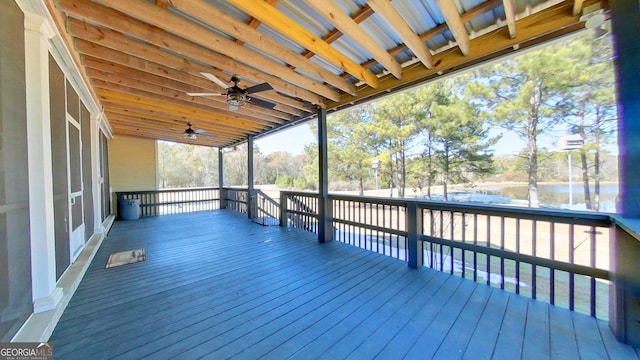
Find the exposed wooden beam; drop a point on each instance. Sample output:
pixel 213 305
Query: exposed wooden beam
pixel 101 52
pixel 280 22
pixel 202 141
pixel 169 91
pixel 386 11
pixel 349 27
pixel 202 104
pixel 577 7
pixel 120 120
pixel 510 14
pixel 247 34
pixel 120 43
pixel 113 19
pixel 59 19
pixel 186 111
pixel 125 123
pixel 455 24
pixel 145 115
pixel 548 23
pixel 429 34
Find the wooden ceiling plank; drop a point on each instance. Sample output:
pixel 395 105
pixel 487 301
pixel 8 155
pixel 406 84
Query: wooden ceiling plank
pixel 455 24
pixel 201 141
pixel 510 14
pixel 118 97
pixel 59 18
pixel 99 84
pixel 269 15
pixel 110 39
pixel 151 123
pixel 350 28
pixel 120 121
pixel 198 34
pixel 144 115
pixel 101 78
pixel 390 15
pixel 113 19
pixel 151 83
pixel 127 108
pixel 171 79
pixel 247 34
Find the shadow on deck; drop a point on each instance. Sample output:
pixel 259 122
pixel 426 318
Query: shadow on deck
pixel 216 285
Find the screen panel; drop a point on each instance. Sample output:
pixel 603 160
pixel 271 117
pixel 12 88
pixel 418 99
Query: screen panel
pixel 15 242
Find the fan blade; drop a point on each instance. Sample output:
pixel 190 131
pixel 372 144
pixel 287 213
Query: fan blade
pixel 205 94
pixel 207 136
pixel 258 88
pixel 262 103
pixel 212 77
pixel 199 131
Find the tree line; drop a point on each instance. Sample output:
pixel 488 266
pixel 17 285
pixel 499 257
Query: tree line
pixel 440 134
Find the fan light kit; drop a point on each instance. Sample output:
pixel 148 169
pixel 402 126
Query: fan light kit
pixel 237 96
pixel 191 134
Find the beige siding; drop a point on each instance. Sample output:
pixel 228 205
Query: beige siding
pixel 132 164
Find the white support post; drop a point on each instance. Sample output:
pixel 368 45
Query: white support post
pixel 43 259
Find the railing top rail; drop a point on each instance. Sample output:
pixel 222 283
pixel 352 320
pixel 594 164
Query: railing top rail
pixel 305 193
pixel 267 198
pixel 165 190
pixel 557 216
pixel 631 226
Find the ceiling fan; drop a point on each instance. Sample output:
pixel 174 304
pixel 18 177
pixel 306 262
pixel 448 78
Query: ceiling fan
pixel 236 96
pixel 191 134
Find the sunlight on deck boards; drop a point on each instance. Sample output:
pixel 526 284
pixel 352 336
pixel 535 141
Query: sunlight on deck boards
pixel 216 285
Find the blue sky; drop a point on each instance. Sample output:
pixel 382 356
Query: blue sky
pixel 293 140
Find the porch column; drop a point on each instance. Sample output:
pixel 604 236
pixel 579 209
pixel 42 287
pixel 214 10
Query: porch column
pixel 221 190
pixel 325 209
pixel 624 313
pixel 43 258
pixel 251 199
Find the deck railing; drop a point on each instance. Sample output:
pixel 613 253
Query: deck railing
pixel 299 210
pixel 173 201
pixel 555 256
pixel 266 211
pixel 237 199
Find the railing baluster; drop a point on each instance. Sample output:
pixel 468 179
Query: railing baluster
pixel 534 251
pixel 475 242
pixel 464 239
pixel 488 245
pixel 502 248
pixel 592 263
pixel 517 252
pixel 552 272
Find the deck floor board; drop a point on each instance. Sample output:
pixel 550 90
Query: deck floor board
pixel 216 285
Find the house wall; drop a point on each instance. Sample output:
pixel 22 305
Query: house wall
pixel 15 252
pixel 39 116
pixel 132 164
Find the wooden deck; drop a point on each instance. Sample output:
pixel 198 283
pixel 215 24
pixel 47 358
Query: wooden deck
pixel 216 285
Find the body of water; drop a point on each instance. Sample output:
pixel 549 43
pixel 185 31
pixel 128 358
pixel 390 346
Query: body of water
pixel 550 195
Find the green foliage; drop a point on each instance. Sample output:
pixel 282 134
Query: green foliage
pixel 182 165
pixel 438 134
pixel 538 93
